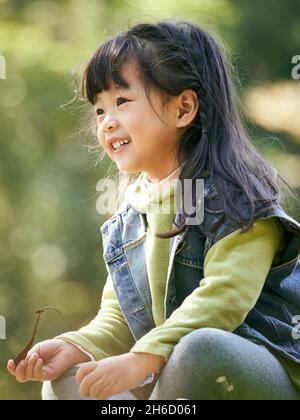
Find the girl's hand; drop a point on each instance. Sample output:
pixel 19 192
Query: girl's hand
pixel 46 361
pixel 116 374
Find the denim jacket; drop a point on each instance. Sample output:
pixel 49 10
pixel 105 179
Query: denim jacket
pixel 269 323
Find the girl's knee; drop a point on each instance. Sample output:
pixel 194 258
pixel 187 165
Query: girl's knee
pixel 204 341
pixel 195 366
pixel 207 353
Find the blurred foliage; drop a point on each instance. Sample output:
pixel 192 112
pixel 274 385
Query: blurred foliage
pixel 50 244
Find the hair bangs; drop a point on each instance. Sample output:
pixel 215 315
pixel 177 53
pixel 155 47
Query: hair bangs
pixel 105 66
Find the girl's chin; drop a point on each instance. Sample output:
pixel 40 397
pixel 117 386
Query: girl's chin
pixel 127 166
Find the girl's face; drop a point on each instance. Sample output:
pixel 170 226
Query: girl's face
pixel 127 113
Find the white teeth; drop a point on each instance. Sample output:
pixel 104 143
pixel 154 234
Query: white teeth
pixel 117 144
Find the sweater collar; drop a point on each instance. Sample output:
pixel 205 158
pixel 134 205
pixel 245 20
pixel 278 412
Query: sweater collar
pixel 142 193
pixel 164 184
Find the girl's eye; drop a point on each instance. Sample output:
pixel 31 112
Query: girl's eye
pixel 100 111
pixel 121 99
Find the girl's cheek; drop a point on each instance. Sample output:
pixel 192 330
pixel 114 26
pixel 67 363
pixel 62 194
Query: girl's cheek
pixel 99 133
pixel 100 138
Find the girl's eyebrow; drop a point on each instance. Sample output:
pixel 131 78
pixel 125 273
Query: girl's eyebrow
pixel 123 87
pixel 126 89
pixel 99 100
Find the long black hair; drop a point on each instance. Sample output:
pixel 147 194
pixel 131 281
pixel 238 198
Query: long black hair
pixel 174 55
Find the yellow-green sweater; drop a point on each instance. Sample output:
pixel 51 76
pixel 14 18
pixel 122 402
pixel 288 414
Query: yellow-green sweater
pixel 235 269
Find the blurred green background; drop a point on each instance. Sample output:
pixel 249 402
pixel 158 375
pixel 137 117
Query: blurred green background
pixel 50 244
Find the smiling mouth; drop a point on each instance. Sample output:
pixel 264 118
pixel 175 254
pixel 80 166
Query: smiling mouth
pixel 121 147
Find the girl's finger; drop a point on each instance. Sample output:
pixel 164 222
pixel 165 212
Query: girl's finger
pixel 11 366
pixel 28 356
pixel 30 366
pixel 37 371
pixel 20 371
pixel 32 351
pixel 104 393
pixel 85 370
pixel 87 382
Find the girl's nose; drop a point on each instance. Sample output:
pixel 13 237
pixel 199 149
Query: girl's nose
pixel 109 124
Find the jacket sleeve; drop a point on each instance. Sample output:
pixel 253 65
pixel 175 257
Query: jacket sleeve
pixel 108 333
pixel 235 270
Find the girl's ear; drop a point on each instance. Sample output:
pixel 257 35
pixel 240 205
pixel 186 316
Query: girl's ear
pixel 187 108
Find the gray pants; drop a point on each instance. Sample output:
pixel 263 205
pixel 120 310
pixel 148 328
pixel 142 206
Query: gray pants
pixel 207 364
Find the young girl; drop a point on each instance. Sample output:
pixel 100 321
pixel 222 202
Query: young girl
pixel 203 310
